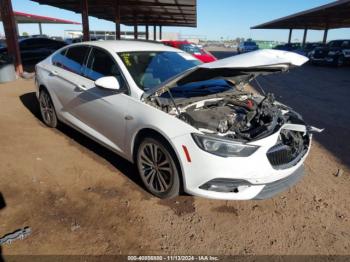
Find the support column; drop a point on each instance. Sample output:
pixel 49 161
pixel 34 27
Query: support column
pixel 325 35
pixel 117 20
pixel 304 38
pixel 147 32
pixel 9 24
pixel 160 33
pixel 154 33
pixel 40 29
pixel 85 19
pixel 290 36
pixel 136 33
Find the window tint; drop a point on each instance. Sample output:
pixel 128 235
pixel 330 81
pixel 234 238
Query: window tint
pixel 74 59
pixel 102 64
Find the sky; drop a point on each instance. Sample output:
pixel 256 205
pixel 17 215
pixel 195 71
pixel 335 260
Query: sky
pixel 227 19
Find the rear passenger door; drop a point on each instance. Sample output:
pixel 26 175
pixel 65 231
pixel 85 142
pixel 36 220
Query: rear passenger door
pixel 65 78
pixel 103 111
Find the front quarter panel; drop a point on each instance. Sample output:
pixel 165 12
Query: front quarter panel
pixel 145 116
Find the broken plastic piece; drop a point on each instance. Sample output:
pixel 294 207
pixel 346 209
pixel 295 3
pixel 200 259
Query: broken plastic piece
pixel 18 234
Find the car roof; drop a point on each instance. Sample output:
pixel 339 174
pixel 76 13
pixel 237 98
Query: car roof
pixel 117 46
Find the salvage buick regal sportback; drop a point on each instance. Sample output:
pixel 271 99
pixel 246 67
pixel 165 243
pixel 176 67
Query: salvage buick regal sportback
pixel 186 125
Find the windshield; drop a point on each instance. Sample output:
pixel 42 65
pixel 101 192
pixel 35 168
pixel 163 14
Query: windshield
pixel 190 48
pixel 150 69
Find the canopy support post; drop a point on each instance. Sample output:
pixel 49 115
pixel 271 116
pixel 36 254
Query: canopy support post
pixel 40 29
pixel 155 33
pixel 304 38
pixel 135 31
pixel 10 29
pixel 85 19
pixel 160 33
pixel 290 36
pixel 325 35
pixel 147 32
pixel 117 20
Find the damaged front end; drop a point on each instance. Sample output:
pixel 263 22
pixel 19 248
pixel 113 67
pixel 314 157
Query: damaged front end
pixel 243 118
pixel 237 116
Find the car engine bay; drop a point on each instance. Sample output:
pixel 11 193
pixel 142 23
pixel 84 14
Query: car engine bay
pixel 237 115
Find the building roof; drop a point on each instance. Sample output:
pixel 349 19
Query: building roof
pixel 141 12
pixel 329 16
pixel 24 18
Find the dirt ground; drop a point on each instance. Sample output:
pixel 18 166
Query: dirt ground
pixel 79 198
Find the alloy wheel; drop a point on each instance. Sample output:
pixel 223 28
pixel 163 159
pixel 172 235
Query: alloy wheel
pixel 47 110
pixel 156 168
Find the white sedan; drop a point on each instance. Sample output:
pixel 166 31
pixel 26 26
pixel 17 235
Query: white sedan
pixel 186 125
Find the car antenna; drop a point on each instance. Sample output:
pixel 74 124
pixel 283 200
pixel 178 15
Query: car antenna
pixel 173 100
pixel 262 89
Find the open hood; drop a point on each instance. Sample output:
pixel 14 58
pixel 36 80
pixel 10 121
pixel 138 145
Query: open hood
pixel 238 69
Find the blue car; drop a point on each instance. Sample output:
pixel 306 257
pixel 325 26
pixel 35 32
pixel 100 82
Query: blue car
pixel 247 46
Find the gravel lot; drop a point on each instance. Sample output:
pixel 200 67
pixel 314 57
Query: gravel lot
pixel 80 198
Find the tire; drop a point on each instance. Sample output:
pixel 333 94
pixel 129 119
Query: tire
pixel 157 167
pixel 47 109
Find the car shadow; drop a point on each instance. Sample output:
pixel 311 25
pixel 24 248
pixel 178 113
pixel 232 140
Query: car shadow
pixel 2 206
pixel 125 167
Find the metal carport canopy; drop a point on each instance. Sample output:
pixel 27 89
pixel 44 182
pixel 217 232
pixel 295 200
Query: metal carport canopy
pixel 329 16
pixel 136 12
pixel 24 18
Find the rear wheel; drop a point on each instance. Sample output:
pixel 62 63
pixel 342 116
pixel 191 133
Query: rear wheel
pixel 47 109
pixel 157 168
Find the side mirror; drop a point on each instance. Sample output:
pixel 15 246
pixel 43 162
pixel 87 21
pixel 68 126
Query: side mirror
pixel 108 82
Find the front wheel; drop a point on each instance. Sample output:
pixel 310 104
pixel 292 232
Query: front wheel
pixel 47 109
pixel 157 168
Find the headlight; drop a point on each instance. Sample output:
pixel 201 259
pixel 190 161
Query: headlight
pixel 222 147
pixel 332 53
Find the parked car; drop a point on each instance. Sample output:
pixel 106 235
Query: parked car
pixel 247 46
pixel 336 53
pixel 309 47
pixel 291 47
pixel 36 49
pixel 192 49
pixel 183 123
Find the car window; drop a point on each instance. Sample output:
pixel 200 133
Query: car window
pixel 190 48
pixel 102 64
pixel 58 58
pixel 74 59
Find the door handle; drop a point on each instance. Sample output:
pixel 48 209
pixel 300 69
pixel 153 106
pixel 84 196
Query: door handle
pixel 54 73
pixel 81 87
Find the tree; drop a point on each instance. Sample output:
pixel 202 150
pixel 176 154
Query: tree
pixel 25 34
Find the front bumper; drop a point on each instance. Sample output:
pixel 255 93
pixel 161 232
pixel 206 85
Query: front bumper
pixel 259 178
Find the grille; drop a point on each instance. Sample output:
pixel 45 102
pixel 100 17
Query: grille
pixel 281 156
